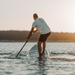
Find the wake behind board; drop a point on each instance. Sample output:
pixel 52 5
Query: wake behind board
pixel 34 52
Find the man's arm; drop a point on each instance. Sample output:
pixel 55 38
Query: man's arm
pixel 30 33
pixel 35 29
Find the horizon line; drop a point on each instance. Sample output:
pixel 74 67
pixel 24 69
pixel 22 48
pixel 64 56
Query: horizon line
pixel 29 30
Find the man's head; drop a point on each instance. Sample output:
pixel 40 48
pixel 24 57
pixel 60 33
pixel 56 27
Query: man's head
pixel 35 16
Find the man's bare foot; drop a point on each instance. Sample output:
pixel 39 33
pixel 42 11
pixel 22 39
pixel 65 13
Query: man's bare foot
pixel 39 57
pixel 43 54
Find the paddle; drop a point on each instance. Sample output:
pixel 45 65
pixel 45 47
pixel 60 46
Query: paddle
pixel 20 50
pixel 22 47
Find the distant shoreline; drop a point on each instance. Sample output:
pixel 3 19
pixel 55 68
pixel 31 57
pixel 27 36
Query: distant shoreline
pixel 21 36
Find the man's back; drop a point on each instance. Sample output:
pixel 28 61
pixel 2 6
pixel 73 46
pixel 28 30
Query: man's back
pixel 41 26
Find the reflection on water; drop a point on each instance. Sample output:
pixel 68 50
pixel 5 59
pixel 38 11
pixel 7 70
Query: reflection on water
pixel 39 67
pixel 61 61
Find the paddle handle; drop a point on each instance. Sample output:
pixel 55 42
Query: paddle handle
pixel 21 49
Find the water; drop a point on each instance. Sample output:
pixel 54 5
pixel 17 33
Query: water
pixel 61 61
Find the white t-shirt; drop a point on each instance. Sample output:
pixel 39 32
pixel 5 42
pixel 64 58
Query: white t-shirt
pixel 41 25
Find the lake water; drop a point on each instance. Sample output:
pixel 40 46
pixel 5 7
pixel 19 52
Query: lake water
pixel 61 61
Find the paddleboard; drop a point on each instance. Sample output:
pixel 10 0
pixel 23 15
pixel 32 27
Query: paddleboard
pixel 34 52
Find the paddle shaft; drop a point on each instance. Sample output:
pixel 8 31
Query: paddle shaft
pixel 24 44
pixel 21 49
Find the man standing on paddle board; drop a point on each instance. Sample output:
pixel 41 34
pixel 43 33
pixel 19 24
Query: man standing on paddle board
pixel 41 26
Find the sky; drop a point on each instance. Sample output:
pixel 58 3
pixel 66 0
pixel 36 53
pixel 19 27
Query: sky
pixel 18 14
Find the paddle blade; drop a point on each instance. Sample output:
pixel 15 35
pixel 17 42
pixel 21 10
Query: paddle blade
pixel 10 57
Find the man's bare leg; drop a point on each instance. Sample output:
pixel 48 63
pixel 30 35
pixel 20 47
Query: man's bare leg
pixel 39 49
pixel 44 45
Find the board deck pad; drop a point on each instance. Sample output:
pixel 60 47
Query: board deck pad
pixel 34 51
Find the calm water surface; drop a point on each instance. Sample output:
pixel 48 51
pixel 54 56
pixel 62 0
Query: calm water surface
pixel 61 61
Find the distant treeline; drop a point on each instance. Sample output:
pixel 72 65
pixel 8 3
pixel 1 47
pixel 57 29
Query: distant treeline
pixel 22 35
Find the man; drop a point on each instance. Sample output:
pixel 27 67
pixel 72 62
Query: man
pixel 41 26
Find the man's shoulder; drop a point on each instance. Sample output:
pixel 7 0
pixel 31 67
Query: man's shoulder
pixel 39 18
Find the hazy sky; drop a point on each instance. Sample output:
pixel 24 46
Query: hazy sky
pixel 18 14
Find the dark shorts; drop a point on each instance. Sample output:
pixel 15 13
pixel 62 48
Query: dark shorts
pixel 43 37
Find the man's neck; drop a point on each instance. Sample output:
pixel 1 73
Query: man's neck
pixel 36 18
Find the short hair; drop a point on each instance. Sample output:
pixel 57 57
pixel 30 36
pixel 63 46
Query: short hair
pixel 35 15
